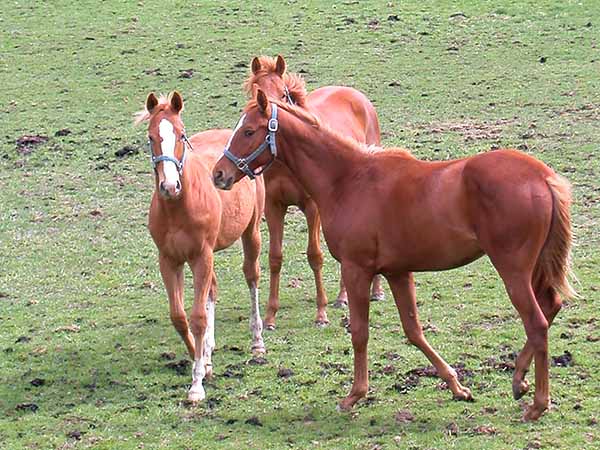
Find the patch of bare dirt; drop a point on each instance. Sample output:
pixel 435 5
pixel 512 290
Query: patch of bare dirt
pixel 181 366
pixel 26 143
pixel 404 416
pixel 470 130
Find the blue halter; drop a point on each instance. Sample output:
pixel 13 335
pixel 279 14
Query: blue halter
pixel 243 164
pixel 178 163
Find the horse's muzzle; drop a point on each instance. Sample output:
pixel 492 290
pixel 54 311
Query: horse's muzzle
pixel 222 182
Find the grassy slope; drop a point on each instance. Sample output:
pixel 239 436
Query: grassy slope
pixel 75 250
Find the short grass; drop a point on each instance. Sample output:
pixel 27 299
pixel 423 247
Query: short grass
pixel 83 313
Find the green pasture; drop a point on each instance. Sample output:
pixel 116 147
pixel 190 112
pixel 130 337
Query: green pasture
pixel 88 355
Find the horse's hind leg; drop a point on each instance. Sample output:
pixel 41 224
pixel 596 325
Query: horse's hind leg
pixel 315 258
pixel 377 293
pixel 274 213
pixel 550 303
pixel 251 244
pixel 520 291
pixel 209 336
pixel 403 289
pixel 172 275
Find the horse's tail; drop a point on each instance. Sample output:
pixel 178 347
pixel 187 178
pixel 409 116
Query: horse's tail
pixel 553 268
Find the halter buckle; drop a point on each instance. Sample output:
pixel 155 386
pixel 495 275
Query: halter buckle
pixel 273 125
pixel 242 164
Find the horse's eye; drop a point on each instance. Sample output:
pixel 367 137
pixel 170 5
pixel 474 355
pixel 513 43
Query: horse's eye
pixel 248 132
pixel 149 139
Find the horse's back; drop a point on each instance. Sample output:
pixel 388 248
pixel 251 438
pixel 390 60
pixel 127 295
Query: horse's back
pixel 348 111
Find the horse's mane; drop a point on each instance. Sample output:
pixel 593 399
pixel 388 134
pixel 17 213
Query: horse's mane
pixel 312 120
pixel 144 115
pixel 293 81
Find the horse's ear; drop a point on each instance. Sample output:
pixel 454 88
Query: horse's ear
pixel 176 102
pixel 280 65
pixel 255 65
pixel 262 101
pixel 151 102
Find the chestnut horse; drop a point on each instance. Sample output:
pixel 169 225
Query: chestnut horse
pixel 347 111
pixel 189 220
pixel 384 211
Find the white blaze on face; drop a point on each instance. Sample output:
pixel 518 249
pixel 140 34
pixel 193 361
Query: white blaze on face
pixel 167 134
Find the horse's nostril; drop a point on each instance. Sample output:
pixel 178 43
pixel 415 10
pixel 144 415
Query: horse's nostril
pixel 219 175
pixel 162 186
pixel 178 185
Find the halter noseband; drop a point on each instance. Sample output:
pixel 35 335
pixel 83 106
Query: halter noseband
pixel 178 163
pixel 243 164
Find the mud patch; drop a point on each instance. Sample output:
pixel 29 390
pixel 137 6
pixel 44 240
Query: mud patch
pixel 470 130
pixel 284 372
pixel 37 382
pixel 27 407
pixel 404 416
pixel 564 360
pixel 127 151
pixel 181 367
pixel 254 421
pixel 26 143
pixel 233 371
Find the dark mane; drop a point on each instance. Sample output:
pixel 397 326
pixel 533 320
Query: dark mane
pixel 293 81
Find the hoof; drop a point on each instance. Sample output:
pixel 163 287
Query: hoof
pixel 196 396
pixel 322 322
pixel 377 296
pixel 464 396
pixel 270 327
pixel 341 408
pixel 533 413
pixel 340 303
pixel 258 350
pixel 519 389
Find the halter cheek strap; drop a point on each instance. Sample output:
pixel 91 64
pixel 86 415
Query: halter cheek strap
pixel 288 96
pixel 178 163
pixel 243 164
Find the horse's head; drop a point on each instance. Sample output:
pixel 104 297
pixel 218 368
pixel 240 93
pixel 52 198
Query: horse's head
pixel 251 148
pixel 166 141
pixel 270 76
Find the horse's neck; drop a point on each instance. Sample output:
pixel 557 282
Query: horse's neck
pixel 323 163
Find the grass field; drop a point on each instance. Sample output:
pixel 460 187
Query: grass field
pixel 87 351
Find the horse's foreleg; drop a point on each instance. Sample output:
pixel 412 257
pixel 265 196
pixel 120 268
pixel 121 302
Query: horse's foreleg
pixel 202 268
pixel 550 302
pixel 358 295
pixel 251 244
pixel 315 259
pixel 403 289
pixel 172 275
pixel 274 214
